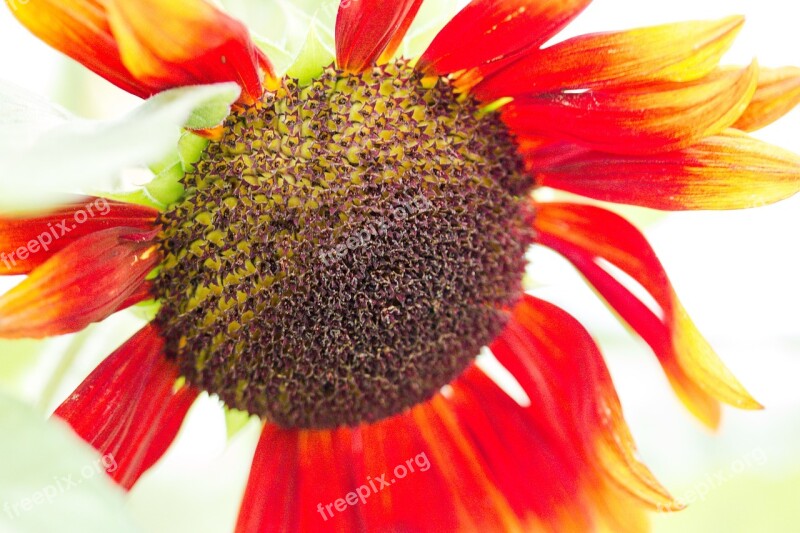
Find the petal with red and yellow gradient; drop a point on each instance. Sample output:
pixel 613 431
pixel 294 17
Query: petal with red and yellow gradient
pixel 186 42
pixel 727 171
pixel 85 282
pixel 560 367
pixel 588 236
pixel 641 119
pixel 130 407
pixel 679 52
pixel 26 243
pixel 371 30
pixel 486 33
pixel 778 93
pixel 148 46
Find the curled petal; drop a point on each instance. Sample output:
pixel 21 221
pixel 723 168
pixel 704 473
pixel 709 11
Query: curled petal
pixel 778 93
pixel 486 33
pixel 727 171
pixel 638 119
pixel 587 236
pixel 367 30
pixel 85 282
pixel 129 407
pixel 679 52
pixel 26 243
pixel 148 46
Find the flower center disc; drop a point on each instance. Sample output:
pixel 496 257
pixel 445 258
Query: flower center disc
pixel 345 250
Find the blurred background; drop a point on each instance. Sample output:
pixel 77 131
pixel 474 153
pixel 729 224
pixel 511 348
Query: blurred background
pixel 738 274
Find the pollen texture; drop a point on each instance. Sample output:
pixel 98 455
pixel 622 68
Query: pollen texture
pixel 345 249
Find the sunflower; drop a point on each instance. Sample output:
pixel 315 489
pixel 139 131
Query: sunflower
pixel 333 255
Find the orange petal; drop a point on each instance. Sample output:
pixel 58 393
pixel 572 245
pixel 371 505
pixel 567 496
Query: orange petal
pixel 588 235
pixel 561 369
pixel 85 282
pixel 26 243
pixel 79 28
pixel 778 93
pixel 490 31
pixel 679 52
pixel 727 171
pixel 173 43
pixel 640 119
pixel 365 29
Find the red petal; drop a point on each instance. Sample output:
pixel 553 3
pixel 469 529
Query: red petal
pixel 147 46
pixel 129 408
pixel 638 119
pixel 83 283
pixel 561 369
pixel 504 435
pixel 542 152
pixel 367 28
pixel 26 243
pixel 778 93
pixel 727 171
pixel 142 294
pixel 670 53
pixel 487 32
pixel 587 235
pixel 270 502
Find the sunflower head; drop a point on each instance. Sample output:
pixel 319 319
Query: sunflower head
pixel 345 249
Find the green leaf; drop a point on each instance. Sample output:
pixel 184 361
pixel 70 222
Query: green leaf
pixel 214 109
